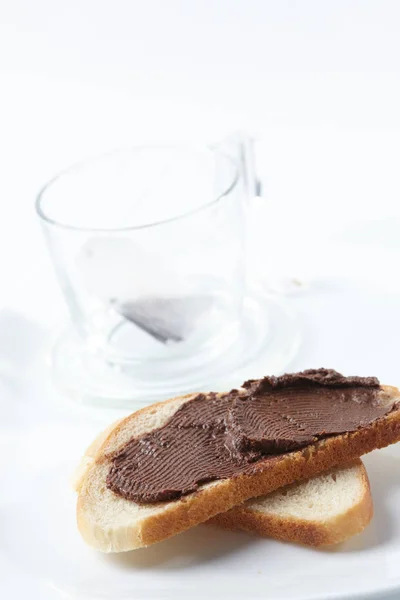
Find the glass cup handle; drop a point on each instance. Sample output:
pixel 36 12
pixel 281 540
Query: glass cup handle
pixel 240 146
pixel 247 159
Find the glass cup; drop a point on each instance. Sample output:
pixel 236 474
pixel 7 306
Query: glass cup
pixel 148 247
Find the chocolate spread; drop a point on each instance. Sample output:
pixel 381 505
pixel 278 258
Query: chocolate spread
pixel 218 436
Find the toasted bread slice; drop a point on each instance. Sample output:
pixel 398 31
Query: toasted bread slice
pixel 326 509
pixel 111 523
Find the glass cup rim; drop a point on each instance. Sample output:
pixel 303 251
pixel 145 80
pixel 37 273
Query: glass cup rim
pixel 92 159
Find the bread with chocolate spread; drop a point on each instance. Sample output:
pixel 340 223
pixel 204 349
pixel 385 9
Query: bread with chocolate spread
pixel 178 463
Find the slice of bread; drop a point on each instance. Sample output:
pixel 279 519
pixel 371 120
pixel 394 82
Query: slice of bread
pixel 111 523
pixel 326 509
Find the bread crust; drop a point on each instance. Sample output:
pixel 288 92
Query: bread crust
pixel 170 518
pixel 301 531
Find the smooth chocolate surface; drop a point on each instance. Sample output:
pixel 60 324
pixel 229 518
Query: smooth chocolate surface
pixel 214 436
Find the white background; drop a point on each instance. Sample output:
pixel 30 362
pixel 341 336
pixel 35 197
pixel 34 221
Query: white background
pixel 317 82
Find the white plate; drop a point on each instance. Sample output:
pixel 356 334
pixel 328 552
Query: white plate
pixel 43 557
